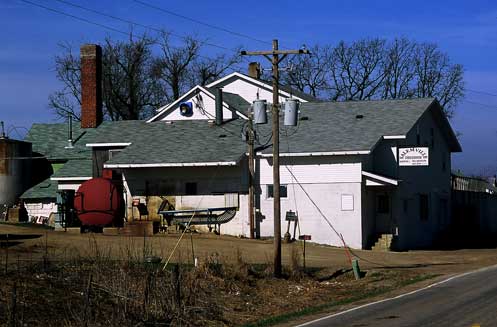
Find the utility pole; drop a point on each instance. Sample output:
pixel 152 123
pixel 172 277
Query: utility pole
pixel 274 57
pixel 251 174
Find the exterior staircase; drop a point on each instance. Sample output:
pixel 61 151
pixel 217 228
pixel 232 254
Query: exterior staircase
pixel 386 242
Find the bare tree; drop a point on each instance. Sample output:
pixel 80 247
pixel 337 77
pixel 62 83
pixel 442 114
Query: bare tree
pixel 437 77
pixel 182 67
pixel 136 77
pixel 357 71
pixel 67 102
pixel 129 89
pixel 399 70
pixel 206 70
pixel 174 63
pixel 309 73
pixel 377 69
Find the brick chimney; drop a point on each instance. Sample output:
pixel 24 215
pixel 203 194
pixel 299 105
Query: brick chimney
pixel 91 85
pixel 254 70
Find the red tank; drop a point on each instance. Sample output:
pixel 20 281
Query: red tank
pixel 98 202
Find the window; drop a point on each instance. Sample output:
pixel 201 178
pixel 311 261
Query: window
pixel 347 202
pixel 283 191
pixel 191 188
pixel 383 204
pixel 423 207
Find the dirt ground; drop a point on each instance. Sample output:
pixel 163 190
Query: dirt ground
pixel 62 245
pixel 243 295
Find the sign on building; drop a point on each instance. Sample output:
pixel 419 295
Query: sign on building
pixel 417 156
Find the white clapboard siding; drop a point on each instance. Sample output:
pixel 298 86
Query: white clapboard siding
pixel 323 173
pixel 249 91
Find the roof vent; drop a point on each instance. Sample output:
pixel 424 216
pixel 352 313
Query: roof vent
pixel 359 116
pixel 304 118
pixel 2 133
pixel 222 135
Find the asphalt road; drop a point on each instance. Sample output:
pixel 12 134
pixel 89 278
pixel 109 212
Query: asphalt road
pixel 469 300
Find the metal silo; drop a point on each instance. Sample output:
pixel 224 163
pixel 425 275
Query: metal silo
pixel 15 169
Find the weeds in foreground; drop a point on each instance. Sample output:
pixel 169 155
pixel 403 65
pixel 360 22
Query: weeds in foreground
pixel 95 289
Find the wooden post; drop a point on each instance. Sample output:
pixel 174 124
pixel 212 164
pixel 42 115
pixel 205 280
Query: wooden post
pixel 304 254
pixel 251 166
pixel 274 56
pixel 276 164
pixel 193 250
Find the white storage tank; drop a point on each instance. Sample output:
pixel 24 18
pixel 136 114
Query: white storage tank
pixel 15 169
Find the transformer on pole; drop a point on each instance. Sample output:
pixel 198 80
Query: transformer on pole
pixel 274 56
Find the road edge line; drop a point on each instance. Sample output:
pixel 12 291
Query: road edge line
pixel 398 296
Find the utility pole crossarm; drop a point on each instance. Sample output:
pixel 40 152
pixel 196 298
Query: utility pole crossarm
pixel 273 52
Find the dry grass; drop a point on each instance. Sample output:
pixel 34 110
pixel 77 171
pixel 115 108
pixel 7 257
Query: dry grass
pixel 93 280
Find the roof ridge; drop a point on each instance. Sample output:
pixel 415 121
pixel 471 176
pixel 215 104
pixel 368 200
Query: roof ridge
pixel 375 100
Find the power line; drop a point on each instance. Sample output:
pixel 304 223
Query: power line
pixel 482 92
pixel 200 22
pixel 76 17
pixel 481 104
pixel 95 23
pixel 141 25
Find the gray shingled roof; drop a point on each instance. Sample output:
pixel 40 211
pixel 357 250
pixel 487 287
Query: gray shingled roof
pixel 43 190
pixel 335 126
pixel 75 168
pixel 122 131
pixel 51 141
pixel 183 142
pixel 323 127
pixel 235 101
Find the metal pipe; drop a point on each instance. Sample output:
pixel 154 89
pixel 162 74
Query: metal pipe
pixel 219 106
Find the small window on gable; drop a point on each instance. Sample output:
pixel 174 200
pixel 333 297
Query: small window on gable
pixel 191 188
pixel 283 191
pixel 347 202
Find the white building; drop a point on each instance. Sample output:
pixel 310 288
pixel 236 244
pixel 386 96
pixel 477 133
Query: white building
pixel 341 162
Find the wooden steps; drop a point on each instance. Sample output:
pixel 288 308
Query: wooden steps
pixel 384 243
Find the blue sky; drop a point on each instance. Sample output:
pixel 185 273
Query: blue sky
pixel 466 30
